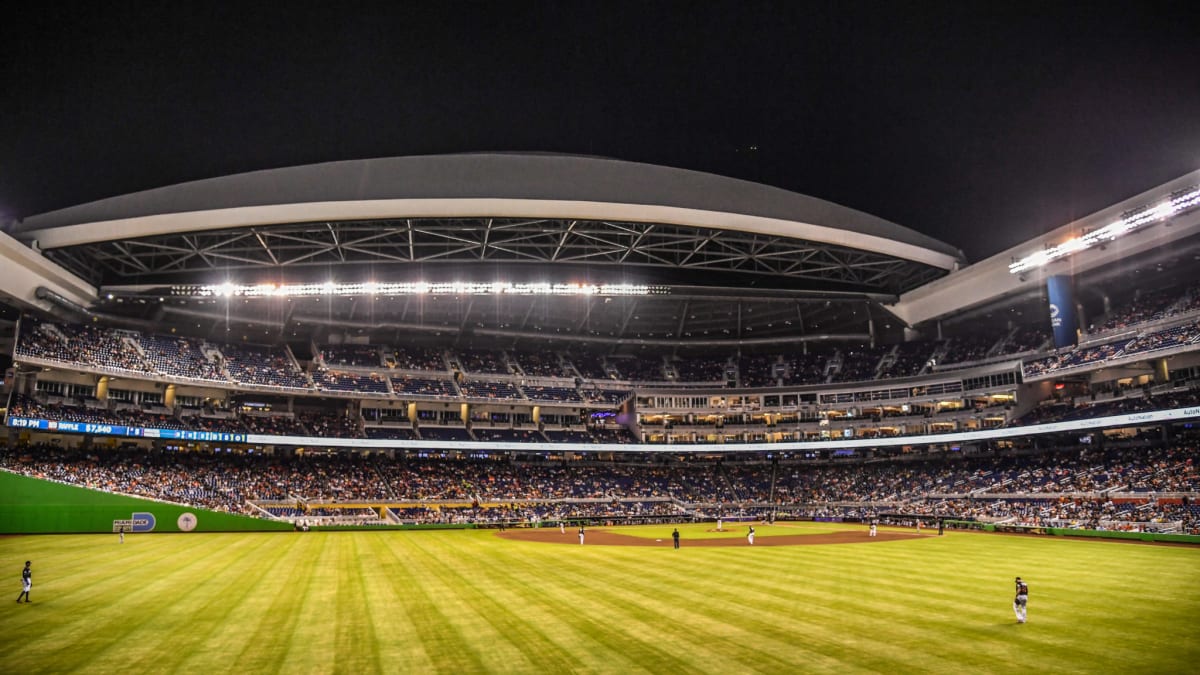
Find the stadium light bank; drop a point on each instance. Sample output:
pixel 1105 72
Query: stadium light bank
pixel 229 290
pixel 1175 204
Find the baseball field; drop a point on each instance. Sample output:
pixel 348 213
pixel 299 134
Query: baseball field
pixel 474 601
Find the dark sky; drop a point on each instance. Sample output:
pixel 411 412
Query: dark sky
pixel 982 124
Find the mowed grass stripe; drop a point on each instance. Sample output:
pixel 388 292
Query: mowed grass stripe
pixel 312 645
pixel 704 640
pixel 517 659
pixel 470 602
pixel 539 639
pixel 756 604
pixel 356 634
pixel 764 593
pixel 927 580
pixel 454 639
pixel 260 640
pixel 128 606
pixel 189 625
pixel 548 598
pixel 388 588
pixel 623 615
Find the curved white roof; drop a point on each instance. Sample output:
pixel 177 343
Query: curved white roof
pixel 481 185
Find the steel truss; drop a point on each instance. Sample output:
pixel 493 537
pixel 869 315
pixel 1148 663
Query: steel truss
pixel 300 248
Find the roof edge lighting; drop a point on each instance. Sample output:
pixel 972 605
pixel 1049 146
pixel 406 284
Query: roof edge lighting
pixel 1175 204
pixel 227 290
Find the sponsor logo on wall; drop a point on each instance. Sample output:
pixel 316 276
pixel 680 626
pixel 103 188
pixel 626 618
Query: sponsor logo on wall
pixel 187 521
pixel 137 522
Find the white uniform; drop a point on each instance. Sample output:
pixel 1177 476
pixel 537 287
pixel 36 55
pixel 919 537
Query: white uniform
pixel 750 536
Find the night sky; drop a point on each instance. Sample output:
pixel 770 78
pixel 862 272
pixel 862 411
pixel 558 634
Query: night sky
pixel 982 124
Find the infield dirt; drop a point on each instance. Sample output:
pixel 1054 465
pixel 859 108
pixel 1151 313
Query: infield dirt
pixel 600 537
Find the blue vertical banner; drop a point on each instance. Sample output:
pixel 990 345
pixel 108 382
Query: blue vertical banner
pixel 1062 310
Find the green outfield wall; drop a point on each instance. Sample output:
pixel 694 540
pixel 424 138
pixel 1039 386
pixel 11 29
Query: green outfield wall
pixel 1129 536
pixel 34 506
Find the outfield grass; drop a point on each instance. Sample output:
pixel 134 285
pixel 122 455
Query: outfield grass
pixel 467 601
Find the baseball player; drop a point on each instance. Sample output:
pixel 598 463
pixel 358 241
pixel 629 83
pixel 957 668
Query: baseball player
pixel 26 582
pixel 874 529
pixel 750 535
pixel 1021 600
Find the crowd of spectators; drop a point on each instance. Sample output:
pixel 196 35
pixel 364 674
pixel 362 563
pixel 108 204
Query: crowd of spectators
pixel 499 390
pixel 640 368
pixel 1074 357
pixel 967 348
pixel 760 370
pixel 274 366
pixel 414 357
pixel 701 369
pixel 263 365
pixel 544 363
pixel 350 382
pixel 1092 488
pixel 556 394
pixel 180 357
pixel 909 359
pixel 859 363
pixel 354 356
pixel 1025 339
pixel 1118 403
pixel 424 386
pixel 487 361
pixel 1145 305
pixel 76 343
pixel 589 365
pixel 805 369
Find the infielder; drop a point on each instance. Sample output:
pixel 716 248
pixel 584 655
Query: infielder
pixel 750 535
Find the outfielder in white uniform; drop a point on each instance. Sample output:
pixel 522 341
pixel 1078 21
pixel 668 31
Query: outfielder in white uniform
pixel 750 535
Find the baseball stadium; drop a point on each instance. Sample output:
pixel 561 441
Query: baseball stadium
pixel 529 413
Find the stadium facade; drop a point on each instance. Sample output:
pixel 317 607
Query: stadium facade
pixel 502 298
pixel 635 341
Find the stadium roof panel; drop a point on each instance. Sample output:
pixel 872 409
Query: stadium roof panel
pixel 482 185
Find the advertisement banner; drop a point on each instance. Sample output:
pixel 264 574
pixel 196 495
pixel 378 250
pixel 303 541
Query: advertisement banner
pixel 1062 310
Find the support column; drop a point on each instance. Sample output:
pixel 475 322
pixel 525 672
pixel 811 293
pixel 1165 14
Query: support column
pixel 1162 374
